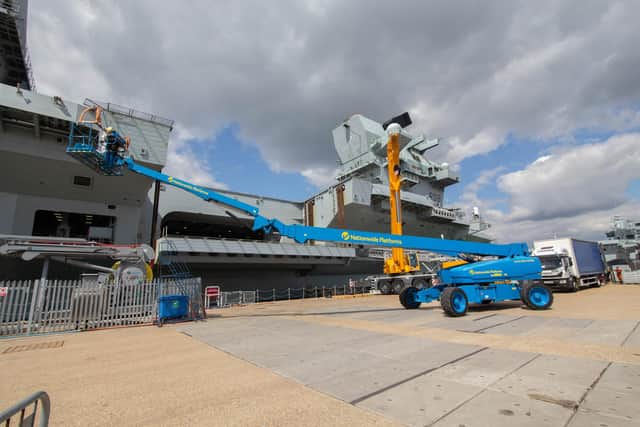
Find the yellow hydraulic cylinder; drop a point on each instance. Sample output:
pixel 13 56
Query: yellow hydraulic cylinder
pixel 451 264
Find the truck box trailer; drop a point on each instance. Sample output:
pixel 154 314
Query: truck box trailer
pixel 570 263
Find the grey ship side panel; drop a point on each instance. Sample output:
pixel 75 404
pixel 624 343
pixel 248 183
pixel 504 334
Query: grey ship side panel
pixel 36 103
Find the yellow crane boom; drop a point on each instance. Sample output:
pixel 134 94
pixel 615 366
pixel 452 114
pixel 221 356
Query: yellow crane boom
pixel 399 261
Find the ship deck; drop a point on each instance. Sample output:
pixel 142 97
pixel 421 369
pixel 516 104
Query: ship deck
pixel 357 361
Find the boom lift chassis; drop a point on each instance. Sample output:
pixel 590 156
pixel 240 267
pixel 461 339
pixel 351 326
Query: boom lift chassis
pixel 508 277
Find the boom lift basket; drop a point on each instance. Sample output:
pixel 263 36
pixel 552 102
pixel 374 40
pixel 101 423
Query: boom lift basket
pixel 101 149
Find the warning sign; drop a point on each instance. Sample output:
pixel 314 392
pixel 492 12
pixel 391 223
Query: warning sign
pixel 3 291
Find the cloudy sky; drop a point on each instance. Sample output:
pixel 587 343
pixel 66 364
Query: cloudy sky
pixel 538 101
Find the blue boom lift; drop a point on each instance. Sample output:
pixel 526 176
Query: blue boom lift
pixel 509 275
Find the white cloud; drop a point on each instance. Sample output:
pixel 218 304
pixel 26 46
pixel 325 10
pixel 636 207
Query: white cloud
pixel 484 141
pixel 184 163
pixel 590 225
pixel 541 159
pixel 570 193
pixel 585 178
pixel 320 177
pixel 288 74
pixel 470 196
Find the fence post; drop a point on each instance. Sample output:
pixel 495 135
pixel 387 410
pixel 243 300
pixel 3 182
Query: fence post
pixel 257 295
pixel 316 288
pixel 344 289
pixel 39 295
pixel 334 290
pixel 289 293
pixel 36 286
pixel 303 293
pixel 274 294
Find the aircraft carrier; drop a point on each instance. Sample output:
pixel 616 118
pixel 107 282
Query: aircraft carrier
pixel 44 192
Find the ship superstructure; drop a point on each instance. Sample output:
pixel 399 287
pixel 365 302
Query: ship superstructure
pixel 622 245
pixel 360 198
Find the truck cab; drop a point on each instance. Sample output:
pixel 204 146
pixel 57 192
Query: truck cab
pixel 556 269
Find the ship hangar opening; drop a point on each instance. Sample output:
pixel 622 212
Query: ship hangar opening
pixel 207 226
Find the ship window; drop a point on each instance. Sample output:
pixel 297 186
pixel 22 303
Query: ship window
pixel 82 181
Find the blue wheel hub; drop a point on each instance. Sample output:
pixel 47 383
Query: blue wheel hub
pixel 539 296
pixel 459 302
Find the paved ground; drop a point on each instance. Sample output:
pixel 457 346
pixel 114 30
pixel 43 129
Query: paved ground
pixel 361 361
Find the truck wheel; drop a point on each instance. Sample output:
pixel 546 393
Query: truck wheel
pixel 536 295
pixel 407 300
pixel 420 283
pixel 385 287
pixel 397 285
pixel 454 301
pixel 573 285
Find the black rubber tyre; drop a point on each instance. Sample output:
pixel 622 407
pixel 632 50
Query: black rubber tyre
pixel 454 301
pixel 406 298
pixel 536 296
pixel 397 285
pixel 573 285
pixel 384 287
pixel 401 298
pixel 420 283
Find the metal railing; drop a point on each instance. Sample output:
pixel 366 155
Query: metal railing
pixel 227 299
pixel 28 418
pixel 130 112
pixel 631 277
pixel 35 307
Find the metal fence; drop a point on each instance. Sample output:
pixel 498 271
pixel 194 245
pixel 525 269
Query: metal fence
pixel 631 276
pixel 36 307
pixel 227 299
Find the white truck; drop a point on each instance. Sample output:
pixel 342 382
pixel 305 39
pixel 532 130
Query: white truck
pixel 570 263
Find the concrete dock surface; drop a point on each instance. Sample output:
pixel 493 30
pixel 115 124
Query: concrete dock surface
pixel 351 361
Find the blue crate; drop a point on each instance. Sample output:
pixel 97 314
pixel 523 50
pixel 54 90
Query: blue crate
pixel 172 307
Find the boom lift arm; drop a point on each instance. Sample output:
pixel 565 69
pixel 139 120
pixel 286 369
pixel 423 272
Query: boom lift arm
pixel 483 281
